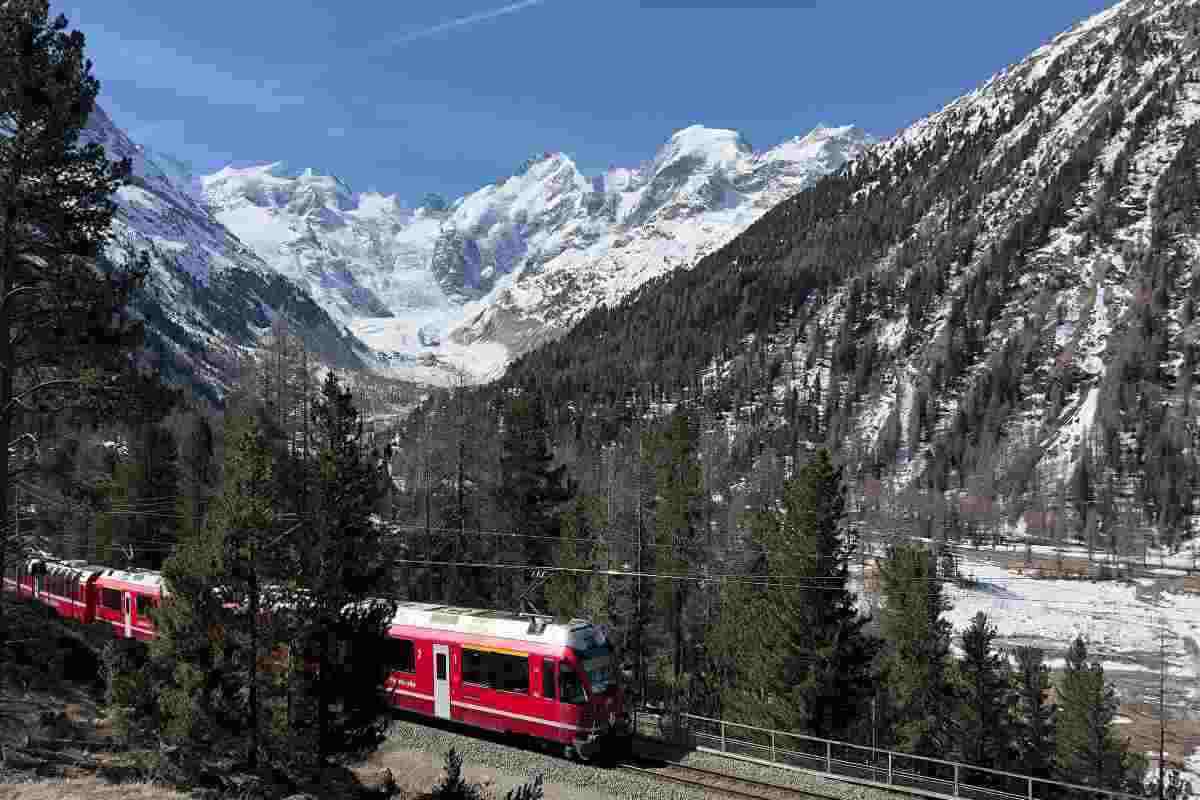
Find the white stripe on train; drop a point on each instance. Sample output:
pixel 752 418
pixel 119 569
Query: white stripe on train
pixel 119 624
pixel 494 711
pixel 471 707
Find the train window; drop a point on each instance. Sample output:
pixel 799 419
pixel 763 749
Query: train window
pixel 570 687
pixel 508 673
pixel 399 655
pixel 110 599
pixel 144 604
pixel 548 678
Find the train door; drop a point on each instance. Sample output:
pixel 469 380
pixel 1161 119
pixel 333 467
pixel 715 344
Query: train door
pixel 441 681
pixel 128 615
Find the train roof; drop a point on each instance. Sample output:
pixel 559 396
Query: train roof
pixel 577 634
pixel 72 568
pixel 53 565
pixel 146 578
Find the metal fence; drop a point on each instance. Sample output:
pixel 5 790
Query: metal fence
pixel 857 763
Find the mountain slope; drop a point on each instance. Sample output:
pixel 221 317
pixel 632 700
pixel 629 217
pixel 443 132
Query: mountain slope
pixel 208 296
pixel 519 261
pixel 999 301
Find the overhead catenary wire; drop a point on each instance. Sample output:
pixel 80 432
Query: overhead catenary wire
pixel 766 582
pixel 395 531
pixel 445 532
pixel 832 583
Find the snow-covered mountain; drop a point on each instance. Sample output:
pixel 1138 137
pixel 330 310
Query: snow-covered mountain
pixel 209 296
pixel 517 262
pixel 993 311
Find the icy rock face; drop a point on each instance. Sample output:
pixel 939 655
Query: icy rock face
pixel 208 294
pixel 341 247
pixel 161 205
pixel 703 187
pixel 480 280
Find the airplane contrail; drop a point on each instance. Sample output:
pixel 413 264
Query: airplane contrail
pixel 471 19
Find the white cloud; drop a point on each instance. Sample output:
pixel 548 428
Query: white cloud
pixel 462 22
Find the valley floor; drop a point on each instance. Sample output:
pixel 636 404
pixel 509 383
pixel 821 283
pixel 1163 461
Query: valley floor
pixel 1129 626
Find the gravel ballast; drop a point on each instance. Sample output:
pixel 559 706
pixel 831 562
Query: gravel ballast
pixel 416 753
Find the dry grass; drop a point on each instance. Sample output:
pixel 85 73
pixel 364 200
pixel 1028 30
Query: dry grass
pixel 1191 584
pixel 1077 568
pixel 1182 735
pixel 1051 568
pixel 86 789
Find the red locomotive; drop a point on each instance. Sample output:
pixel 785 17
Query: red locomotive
pixel 513 673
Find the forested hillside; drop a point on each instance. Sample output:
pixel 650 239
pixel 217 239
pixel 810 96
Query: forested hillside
pixel 998 302
pixel 988 319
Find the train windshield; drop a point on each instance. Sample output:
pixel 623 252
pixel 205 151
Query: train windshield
pixel 596 661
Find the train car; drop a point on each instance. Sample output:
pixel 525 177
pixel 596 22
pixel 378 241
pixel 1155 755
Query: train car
pixel 17 577
pixel 507 672
pixel 68 588
pixel 513 673
pixel 89 593
pixel 26 576
pixel 124 600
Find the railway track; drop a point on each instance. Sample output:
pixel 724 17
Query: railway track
pixel 718 783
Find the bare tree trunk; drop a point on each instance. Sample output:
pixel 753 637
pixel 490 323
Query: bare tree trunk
pixel 305 410
pixel 252 758
pixel 462 510
pixel 428 503
pixel 6 394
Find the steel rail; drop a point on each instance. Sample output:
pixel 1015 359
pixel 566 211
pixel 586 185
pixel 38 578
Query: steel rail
pixel 720 782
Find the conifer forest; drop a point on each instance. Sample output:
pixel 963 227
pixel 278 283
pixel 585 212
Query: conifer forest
pixel 904 461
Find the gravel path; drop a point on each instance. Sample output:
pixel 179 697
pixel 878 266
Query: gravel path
pixel 416 753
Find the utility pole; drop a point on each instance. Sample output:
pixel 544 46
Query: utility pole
pixel 428 480
pixel 638 569
pixel 1162 719
pixel 459 489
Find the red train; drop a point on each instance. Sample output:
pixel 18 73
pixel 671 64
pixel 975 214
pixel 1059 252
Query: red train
pixel 512 673
pixel 88 593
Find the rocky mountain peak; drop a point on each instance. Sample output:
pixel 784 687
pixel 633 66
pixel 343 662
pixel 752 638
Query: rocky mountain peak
pixel 541 246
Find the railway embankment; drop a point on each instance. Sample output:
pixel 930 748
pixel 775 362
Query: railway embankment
pixel 415 752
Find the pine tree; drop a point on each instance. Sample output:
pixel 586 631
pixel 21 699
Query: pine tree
pixel 531 490
pixel 209 652
pixel 246 512
pixel 825 671
pixel 985 698
pixel 1034 739
pixel 340 566
pixel 197 473
pixel 1087 749
pixel 918 638
pixel 673 452
pixel 62 320
pixel 157 455
pixel 571 594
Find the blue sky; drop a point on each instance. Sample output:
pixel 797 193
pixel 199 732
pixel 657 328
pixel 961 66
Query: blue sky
pixel 416 96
